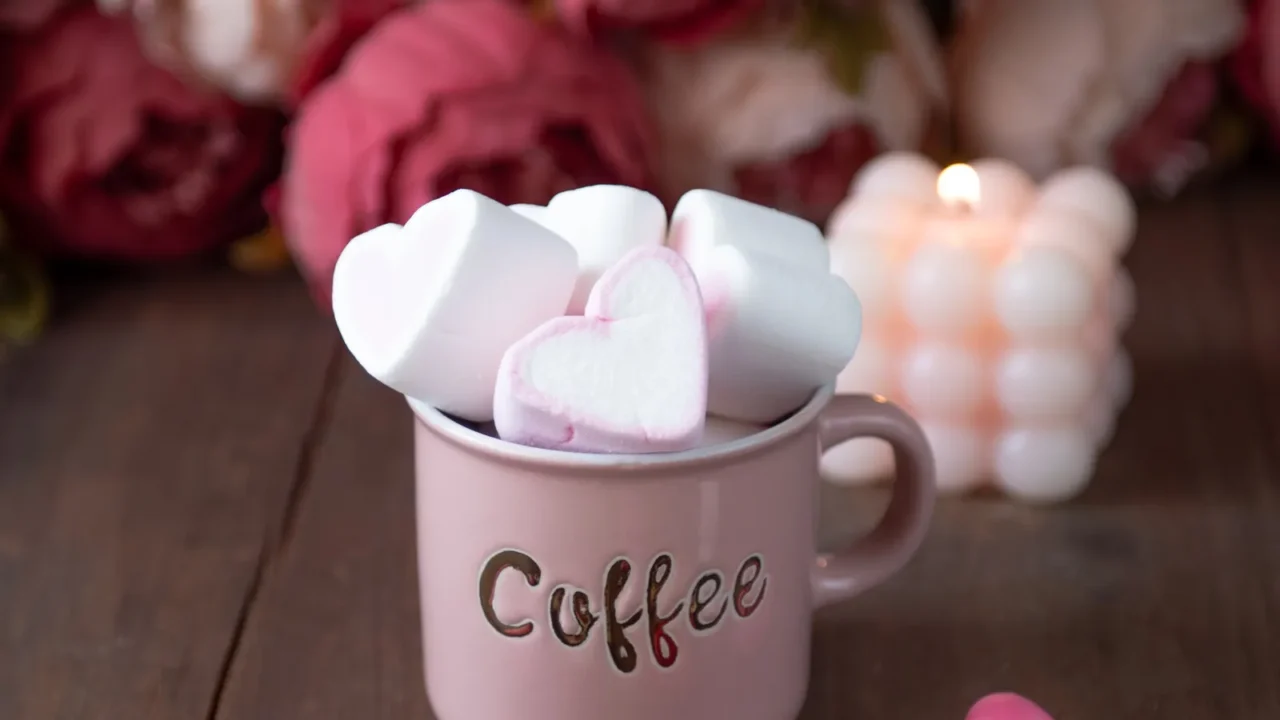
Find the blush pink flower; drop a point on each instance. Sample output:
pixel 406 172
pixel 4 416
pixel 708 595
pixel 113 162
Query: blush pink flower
pixel 454 94
pixel 767 120
pixel 336 31
pixel 104 155
pixel 1126 85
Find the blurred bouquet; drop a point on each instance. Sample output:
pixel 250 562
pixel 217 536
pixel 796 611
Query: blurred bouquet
pixel 455 94
pixel 250 49
pixel 777 102
pixel 104 155
pixel 27 15
pixel 1256 65
pixel 786 113
pixel 149 129
pixel 1127 85
pixel 669 21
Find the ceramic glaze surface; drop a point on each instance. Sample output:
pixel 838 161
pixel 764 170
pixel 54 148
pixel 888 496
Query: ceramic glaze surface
pixel 562 586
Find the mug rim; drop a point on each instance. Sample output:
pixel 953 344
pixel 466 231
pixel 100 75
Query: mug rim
pixel 457 434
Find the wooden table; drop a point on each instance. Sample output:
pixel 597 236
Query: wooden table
pixel 206 513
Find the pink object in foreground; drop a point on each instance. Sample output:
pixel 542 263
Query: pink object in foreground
pixel 104 155
pixel 571 586
pixel 630 376
pixel 511 108
pixel 1006 706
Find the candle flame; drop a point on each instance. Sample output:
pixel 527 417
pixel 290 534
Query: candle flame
pixel 959 187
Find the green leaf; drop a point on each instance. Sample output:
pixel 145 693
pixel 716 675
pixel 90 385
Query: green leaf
pixel 24 295
pixel 1230 134
pixel 848 38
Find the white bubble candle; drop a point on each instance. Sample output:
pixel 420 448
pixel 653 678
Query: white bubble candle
pixel 992 311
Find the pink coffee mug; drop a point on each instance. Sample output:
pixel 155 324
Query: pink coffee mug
pixel 681 586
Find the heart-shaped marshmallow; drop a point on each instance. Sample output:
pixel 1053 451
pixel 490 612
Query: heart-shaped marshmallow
pixel 628 377
pixel 779 324
pixel 429 308
pixel 603 223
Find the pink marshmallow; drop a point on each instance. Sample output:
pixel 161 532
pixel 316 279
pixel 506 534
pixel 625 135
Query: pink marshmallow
pixel 630 376
pixel 1006 706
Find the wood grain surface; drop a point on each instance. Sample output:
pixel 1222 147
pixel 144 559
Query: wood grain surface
pixel 206 511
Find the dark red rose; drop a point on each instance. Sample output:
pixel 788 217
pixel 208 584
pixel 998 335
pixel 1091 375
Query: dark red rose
pixel 1163 146
pixel 104 155
pixel 28 15
pixel 1256 63
pixel 813 182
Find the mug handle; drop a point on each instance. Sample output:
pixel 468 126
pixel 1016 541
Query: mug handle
pixel 887 548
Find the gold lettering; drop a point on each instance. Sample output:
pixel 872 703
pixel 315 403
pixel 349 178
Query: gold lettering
pixel 748 573
pixel 507 559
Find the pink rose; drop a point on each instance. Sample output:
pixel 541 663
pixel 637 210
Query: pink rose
pixel 104 155
pixel 677 21
pixel 447 95
pixel 343 23
pixel 769 120
pixel 1126 85
pixel 1256 64
pixel 27 15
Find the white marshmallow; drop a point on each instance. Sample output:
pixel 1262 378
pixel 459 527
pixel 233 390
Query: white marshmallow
pixel 629 377
pixel 603 223
pixel 429 308
pixel 776 333
pixel 536 213
pixel 704 220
